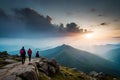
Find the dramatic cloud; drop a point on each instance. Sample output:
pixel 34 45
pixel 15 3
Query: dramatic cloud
pixel 34 20
pixel 72 27
pixel 28 22
pixel 103 24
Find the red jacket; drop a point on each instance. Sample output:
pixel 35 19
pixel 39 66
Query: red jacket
pixel 29 51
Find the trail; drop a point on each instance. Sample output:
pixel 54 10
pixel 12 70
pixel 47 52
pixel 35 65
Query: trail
pixel 15 67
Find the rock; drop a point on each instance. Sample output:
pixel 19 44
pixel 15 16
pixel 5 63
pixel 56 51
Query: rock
pixel 54 63
pixel 10 66
pixel 3 71
pixel 10 77
pixel 51 70
pixel 10 61
pixel 18 78
pixel 28 73
pixel 93 73
pixel 43 66
pixel 49 67
pixel 17 71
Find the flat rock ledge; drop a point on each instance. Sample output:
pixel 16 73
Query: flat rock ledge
pixel 17 71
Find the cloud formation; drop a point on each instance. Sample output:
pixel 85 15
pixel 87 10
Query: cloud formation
pixel 103 24
pixel 34 20
pixel 72 27
pixel 27 21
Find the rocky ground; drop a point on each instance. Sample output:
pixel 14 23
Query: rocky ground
pixel 43 69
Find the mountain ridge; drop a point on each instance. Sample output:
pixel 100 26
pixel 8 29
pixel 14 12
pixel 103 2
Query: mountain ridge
pixel 82 60
pixel 113 55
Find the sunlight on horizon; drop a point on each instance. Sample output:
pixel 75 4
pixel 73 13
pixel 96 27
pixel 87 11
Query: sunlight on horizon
pixel 89 35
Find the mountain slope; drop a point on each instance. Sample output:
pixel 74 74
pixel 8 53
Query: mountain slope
pixel 82 60
pixel 114 55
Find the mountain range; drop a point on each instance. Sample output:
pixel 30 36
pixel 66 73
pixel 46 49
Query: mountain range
pixel 113 55
pixel 101 50
pixel 110 52
pixel 81 60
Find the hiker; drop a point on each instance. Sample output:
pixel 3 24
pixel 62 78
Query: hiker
pixel 23 53
pixel 37 54
pixel 29 54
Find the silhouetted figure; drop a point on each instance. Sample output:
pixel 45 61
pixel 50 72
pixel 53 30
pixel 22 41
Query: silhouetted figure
pixel 29 52
pixel 37 54
pixel 23 53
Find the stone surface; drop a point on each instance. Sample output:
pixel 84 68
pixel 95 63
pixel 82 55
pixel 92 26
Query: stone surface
pixel 49 67
pixel 17 71
pixel 3 71
pixel 10 61
pixel 10 77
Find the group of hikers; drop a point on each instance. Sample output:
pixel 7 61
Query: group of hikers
pixel 29 52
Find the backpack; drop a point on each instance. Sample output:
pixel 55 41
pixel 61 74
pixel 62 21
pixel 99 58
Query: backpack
pixel 29 52
pixel 21 51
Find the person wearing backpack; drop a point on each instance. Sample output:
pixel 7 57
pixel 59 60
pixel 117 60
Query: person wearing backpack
pixel 37 54
pixel 23 53
pixel 29 54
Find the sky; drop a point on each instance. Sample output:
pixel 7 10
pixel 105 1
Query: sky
pixel 49 23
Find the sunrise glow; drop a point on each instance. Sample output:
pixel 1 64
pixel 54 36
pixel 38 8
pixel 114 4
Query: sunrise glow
pixel 89 36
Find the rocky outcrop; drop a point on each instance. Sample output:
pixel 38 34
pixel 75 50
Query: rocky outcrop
pixel 49 67
pixel 29 71
pixel 17 71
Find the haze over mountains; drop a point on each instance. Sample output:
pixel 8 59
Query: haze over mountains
pixel 113 55
pixel 103 49
pixel 81 60
pixel 110 52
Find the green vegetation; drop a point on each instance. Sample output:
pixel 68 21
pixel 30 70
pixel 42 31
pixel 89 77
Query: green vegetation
pixel 68 74
pixel 72 74
pixel 65 74
pixel 43 76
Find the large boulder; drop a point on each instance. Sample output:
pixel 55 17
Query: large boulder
pixel 53 62
pixel 49 67
pixel 29 73
pixel 11 77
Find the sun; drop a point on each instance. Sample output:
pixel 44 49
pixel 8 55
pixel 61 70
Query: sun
pixel 89 35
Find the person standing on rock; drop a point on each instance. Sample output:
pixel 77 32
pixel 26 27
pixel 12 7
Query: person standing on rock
pixel 37 54
pixel 23 53
pixel 29 54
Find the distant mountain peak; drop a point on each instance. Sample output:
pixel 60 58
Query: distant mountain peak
pixel 64 46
